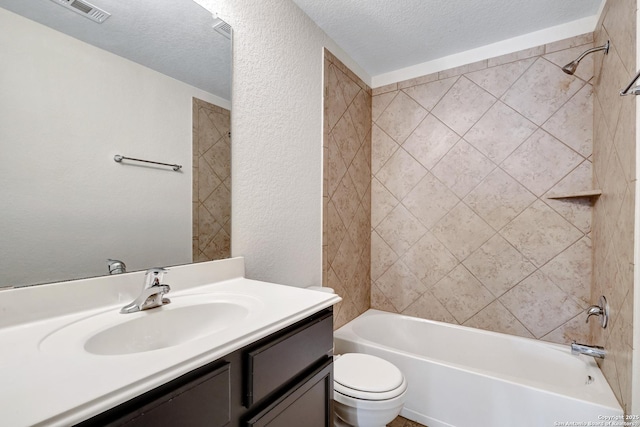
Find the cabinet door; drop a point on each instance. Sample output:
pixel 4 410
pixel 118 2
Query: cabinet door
pixel 307 404
pixel 198 399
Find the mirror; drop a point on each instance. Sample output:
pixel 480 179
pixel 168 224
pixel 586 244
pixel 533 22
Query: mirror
pixel 151 82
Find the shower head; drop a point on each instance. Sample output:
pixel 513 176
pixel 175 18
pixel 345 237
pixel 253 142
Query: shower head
pixel 570 68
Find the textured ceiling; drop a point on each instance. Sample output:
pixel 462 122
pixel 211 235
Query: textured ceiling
pixel 174 37
pixel 385 35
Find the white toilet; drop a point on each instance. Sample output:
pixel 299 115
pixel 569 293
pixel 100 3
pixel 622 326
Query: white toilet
pixel 368 391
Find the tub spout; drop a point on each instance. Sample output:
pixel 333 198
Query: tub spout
pixel 589 350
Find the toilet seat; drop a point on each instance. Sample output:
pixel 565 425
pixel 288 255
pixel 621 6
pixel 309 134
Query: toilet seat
pixel 366 377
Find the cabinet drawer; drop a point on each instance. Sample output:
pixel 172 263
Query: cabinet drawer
pixel 308 403
pixel 273 363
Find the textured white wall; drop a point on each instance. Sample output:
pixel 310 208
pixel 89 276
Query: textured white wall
pixel 277 139
pixel 63 196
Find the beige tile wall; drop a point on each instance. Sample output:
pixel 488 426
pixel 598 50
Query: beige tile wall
pixel 463 162
pixel 614 173
pixel 346 189
pixel 211 182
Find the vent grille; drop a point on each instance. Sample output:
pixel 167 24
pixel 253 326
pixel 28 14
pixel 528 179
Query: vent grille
pixel 222 27
pixel 85 9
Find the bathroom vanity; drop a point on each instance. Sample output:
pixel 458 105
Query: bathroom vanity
pixel 271 363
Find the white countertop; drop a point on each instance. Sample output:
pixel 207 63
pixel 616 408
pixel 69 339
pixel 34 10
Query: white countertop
pixel 48 384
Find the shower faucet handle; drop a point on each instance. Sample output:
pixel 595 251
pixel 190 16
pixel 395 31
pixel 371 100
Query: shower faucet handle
pixel 601 310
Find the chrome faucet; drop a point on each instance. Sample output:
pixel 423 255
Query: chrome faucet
pixel 152 294
pixel 589 350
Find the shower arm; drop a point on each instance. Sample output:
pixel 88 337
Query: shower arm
pixel 604 47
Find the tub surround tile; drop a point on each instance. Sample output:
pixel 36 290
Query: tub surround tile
pixel 345 199
pixel 360 173
pixel 516 56
pixel 541 91
pixel 492 144
pixel 430 141
pixel 334 231
pixel 498 265
pixel 624 140
pixel 496 318
pixel 574 330
pixel 335 104
pixel 347 188
pixel 582 39
pixel 429 260
pixel 534 299
pixel 462 168
pixel 400 286
pixel 360 112
pixel 401 173
pixel 539 233
pixel 622 31
pixel 565 56
pixel 360 229
pixel 384 89
pixel 428 307
pixel 400 230
pixel 401 117
pixel 463 69
pixel 382 202
pixel 462 294
pixel 335 167
pixel 346 312
pixel 462 231
pixel 380 102
pixel 430 200
pixel 418 81
pixel 499 199
pixel 571 271
pixel 499 132
pixel 428 94
pixel 573 123
pixel 463 105
pixel 382 148
pixel 498 79
pixel 379 301
pixel 346 137
pixel 382 256
pixel 540 162
pixel 576 211
pixel 614 172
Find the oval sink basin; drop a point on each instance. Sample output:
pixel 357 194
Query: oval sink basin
pixel 166 328
pixel 185 319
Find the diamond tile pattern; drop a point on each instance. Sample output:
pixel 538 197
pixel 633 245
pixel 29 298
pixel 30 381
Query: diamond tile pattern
pixel 347 190
pixel 614 154
pixel 463 231
pixel 211 189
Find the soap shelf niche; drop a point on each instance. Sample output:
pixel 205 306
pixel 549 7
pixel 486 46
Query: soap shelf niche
pixel 593 194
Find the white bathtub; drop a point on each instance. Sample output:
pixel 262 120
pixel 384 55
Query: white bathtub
pixel 466 377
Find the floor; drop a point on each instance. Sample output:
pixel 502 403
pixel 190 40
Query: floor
pixel 403 422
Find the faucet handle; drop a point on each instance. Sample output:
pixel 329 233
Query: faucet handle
pixel 601 310
pixel 154 276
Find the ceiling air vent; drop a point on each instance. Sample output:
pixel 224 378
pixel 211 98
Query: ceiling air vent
pixel 221 27
pixel 85 9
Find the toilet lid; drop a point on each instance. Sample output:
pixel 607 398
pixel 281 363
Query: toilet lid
pixel 366 373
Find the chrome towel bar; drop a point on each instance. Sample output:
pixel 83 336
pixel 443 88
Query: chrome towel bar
pixel 631 90
pixel 118 158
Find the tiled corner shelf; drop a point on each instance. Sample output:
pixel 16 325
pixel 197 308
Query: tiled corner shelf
pixel 577 194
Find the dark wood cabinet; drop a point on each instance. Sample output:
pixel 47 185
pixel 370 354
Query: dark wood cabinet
pixel 284 379
pixel 307 404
